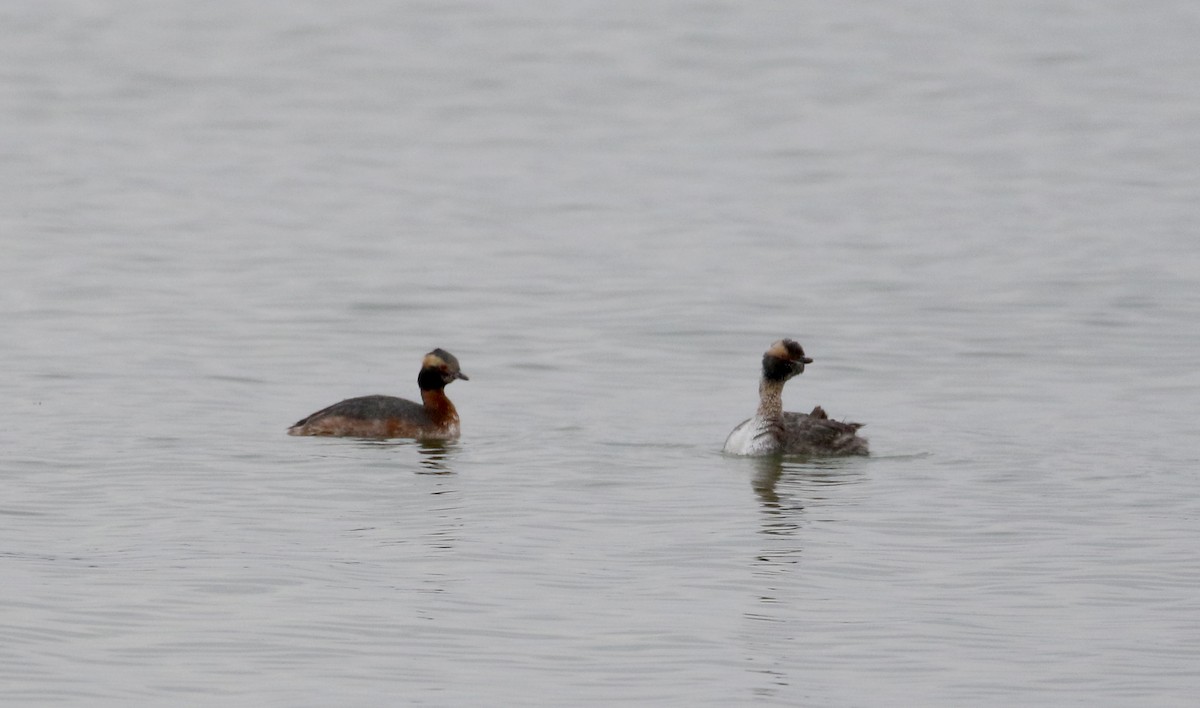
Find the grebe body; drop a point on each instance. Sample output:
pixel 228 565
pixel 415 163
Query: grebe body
pixel 774 431
pixel 434 418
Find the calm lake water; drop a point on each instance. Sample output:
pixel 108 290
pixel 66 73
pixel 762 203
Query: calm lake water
pixel 980 222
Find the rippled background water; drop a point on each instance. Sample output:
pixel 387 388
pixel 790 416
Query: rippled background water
pixel 979 220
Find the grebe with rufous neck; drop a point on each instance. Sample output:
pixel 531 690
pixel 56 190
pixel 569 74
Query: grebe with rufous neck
pixel 434 418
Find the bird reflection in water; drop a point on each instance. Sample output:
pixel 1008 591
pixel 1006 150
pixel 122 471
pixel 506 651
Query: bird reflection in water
pixel 435 456
pixel 788 490
pixel 777 516
pixel 445 526
pixel 786 487
pixel 802 479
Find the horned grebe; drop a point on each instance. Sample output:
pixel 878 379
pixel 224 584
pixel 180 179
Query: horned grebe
pixel 390 417
pixel 773 431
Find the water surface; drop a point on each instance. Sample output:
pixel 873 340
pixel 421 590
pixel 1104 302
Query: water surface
pixel 979 222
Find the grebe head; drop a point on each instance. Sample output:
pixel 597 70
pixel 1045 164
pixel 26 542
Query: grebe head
pixel 784 360
pixel 438 368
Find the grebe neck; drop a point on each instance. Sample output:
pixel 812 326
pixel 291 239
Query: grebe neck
pixel 770 399
pixel 439 408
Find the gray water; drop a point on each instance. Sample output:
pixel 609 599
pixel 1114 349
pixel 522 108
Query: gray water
pixel 979 219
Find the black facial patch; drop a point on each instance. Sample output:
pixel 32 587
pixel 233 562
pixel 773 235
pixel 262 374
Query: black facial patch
pixel 431 380
pixel 776 369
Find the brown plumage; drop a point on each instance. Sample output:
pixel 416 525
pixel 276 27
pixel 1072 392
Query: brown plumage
pixel 389 417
